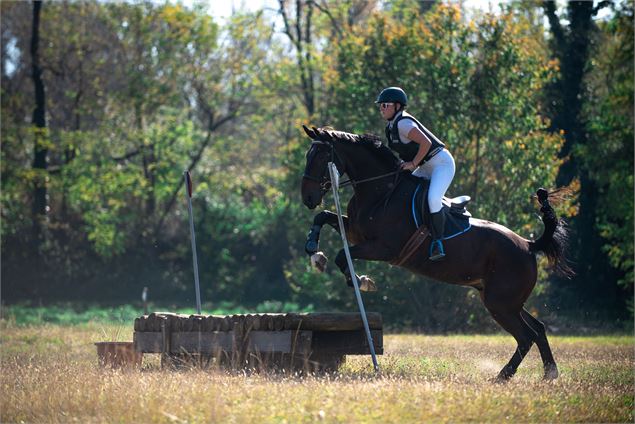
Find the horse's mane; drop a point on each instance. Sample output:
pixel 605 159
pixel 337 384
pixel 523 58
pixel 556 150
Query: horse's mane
pixel 371 141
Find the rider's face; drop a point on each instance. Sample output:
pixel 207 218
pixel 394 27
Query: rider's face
pixel 387 110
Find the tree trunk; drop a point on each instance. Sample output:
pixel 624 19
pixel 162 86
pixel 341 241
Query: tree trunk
pixel 476 166
pixel 572 49
pixel 40 158
pixel 301 37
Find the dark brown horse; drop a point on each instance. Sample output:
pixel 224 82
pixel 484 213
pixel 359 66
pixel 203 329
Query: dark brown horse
pixel 494 260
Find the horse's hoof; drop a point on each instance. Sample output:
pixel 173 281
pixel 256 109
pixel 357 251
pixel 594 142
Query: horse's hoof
pixel 366 284
pixel 504 376
pixel 318 261
pixel 500 379
pixel 551 372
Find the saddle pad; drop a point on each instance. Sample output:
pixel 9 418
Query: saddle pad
pixel 457 221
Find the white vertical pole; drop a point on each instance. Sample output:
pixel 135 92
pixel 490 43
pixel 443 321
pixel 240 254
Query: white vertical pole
pixel 335 186
pixel 188 192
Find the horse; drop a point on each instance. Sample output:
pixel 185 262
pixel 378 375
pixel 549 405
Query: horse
pixel 498 263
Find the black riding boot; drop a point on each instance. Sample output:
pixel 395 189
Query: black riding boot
pixel 437 225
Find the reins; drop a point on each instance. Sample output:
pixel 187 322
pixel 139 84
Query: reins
pixel 365 180
pixel 388 194
pixel 325 182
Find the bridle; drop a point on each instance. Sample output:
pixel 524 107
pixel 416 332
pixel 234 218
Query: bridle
pixel 325 181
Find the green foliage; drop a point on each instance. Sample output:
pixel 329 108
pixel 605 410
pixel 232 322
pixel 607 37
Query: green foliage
pixel 67 314
pixel 139 92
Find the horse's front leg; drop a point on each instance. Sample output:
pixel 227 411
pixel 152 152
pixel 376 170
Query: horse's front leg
pixel 370 251
pixel 312 246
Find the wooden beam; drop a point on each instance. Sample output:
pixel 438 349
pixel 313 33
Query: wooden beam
pixel 212 342
pixel 321 321
pixel 346 342
pixel 332 321
pixel 196 342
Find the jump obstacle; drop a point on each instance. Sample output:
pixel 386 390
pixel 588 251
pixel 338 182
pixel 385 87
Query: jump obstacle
pixel 290 341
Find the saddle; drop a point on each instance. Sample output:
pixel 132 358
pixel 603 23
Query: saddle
pixel 457 219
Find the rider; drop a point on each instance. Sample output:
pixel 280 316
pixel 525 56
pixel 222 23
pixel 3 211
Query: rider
pixel 423 153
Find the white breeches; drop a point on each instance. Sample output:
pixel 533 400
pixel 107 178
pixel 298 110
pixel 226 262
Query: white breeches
pixel 440 171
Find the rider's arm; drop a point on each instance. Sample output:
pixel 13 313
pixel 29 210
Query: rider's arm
pixel 424 142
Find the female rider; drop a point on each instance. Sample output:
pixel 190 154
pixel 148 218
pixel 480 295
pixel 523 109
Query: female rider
pixel 423 154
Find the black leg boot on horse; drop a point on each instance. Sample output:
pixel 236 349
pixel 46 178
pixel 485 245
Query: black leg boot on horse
pixel 437 225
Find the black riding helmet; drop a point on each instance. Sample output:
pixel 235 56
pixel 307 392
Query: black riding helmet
pixel 392 95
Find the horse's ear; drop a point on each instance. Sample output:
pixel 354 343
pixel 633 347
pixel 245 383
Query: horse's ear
pixel 324 134
pixel 309 132
pixel 320 134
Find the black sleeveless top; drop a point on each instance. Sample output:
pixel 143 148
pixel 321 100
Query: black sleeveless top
pixel 408 151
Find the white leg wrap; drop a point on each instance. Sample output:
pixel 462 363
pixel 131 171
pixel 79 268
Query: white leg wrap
pixel 318 261
pixel 366 284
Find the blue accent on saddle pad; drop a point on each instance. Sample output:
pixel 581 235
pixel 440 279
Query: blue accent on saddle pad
pixel 456 223
pixel 451 231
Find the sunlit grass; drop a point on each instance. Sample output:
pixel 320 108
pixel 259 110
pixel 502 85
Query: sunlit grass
pixel 50 374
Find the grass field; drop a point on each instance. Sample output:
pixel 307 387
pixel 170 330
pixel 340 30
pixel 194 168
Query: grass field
pixel 50 374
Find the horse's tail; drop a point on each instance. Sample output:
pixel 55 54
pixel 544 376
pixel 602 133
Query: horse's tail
pixel 553 241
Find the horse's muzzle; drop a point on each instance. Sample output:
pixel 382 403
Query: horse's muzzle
pixel 310 201
pixel 312 193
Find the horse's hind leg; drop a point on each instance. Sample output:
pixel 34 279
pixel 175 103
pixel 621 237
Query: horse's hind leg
pixel 551 369
pixel 513 323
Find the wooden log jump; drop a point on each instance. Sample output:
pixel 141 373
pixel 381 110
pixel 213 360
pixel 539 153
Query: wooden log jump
pixel 291 341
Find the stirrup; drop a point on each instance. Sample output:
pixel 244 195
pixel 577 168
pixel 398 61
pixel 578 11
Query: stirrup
pixel 440 254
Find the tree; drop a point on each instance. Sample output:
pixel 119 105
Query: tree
pixel 140 101
pixel 572 46
pixel 40 156
pixel 300 33
pixel 607 157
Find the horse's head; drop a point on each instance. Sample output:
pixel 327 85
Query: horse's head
pixel 316 181
pixel 359 156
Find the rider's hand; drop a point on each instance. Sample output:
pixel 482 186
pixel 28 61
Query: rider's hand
pixel 408 166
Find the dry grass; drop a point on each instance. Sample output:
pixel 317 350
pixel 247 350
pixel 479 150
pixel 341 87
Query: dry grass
pixel 50 374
